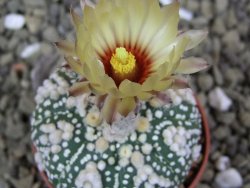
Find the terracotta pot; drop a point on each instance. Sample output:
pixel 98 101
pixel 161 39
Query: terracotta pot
pixel 195 177
pixel 205 149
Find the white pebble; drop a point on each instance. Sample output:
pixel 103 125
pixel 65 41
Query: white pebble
pixel 222 163
pixel 14 21
pixel 229 178
pixel 186 14
pixel 30 50
pixel 219 100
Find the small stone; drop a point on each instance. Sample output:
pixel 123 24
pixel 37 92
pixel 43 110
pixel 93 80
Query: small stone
pixel 6 59
pixel 243 146
pixel 30 50
pixel 201 185
pixel 33 24
pixel 232 146
pixel 205 82
pixel 206 9
pixel 231 18
pixel 3 184
pixel 221 132
pixel 26 104
pixel 245 118
pixel 226 117
pixel 218 76
pixel 223 163
pixel 232 41
pixel 35 3
pixel 50 34
pixel 229 178
pixel 221 5
pixel 14 21
pixel 12 43
pixel 219 100
pixel 208 175
pixel 219 26
pixel 193 6
pixel 233 76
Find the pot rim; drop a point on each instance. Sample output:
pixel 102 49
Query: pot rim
pixel 206 151
pixel 206 146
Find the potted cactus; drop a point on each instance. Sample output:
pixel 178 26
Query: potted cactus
pixel 119 112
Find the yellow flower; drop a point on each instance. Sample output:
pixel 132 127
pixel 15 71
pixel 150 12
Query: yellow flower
pixel 128 50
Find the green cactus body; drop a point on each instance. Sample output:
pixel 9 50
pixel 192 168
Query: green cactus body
pixel 76 152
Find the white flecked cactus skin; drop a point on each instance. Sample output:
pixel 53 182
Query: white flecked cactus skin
pixel 156 148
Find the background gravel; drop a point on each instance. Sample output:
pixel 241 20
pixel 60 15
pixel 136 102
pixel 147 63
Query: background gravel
pixel 27 55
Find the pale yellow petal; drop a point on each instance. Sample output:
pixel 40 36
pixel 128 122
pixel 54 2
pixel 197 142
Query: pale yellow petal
pixel 77 20
pixel 168 30
pixel 191 65
pixel 126 105
pixel 129 89
pixel 109 108
pixel 75 65
pixel 79 88
pixel 195 36
pixel 179 83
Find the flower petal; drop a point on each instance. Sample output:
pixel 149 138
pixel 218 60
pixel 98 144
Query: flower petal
pixel 129 89
pixel 126 105
pixel 191 65
pixel 109 108
pixel 180 83
pixel 79 88
pixel 75 65
pixel 195 36
pixel 168 30
pixel 77 20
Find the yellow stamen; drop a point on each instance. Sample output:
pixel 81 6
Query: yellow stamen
pixel 123 64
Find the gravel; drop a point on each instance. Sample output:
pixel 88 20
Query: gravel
pixel 28 56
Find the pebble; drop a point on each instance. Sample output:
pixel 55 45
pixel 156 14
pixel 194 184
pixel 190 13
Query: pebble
pixel 208 175
pixel 30 50
pixel 226 117
pixel 205 82
pixel 221 5
pixel 221 132
pixel 50 34
pixel 222 163
pixel 219 80
pixel 35 3
pixel 219 100
pixel 231 142
pixel 34 24
pixel 233 76
pixel 201 185
pixel 14 21
pixel 6 59
pixel 230 178
pixel 245 118
pixel 218 26
pixel 206 9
